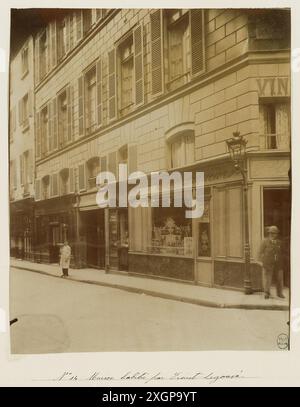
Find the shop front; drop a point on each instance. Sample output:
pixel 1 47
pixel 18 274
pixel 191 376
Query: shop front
pixel 54 224
pixel 21 229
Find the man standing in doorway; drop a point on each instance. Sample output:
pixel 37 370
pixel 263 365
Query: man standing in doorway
pixel 65 256
pixel 271 259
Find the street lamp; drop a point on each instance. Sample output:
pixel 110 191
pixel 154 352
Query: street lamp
pixel 237 149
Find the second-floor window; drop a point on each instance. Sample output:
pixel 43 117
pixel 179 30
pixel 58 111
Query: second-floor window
pixel 177 47
pixel 177 24
pixel 126 75
pixel 26 169
pixel 93 168
pixel 182 150
pixel 275 125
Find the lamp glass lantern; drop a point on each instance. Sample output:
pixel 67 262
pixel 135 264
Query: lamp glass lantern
pixel 237 147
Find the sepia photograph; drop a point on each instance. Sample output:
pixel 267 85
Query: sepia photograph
pixel 149 179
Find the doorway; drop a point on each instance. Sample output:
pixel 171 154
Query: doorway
pixel 277 212
pixel 95 238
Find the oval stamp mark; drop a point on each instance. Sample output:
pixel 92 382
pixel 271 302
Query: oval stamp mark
pixel 283 341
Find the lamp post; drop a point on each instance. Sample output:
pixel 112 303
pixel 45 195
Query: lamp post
pixel 237 149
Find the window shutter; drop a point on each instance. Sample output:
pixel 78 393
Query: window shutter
pixel 71 181
pixel 71 25
pixel 112 108
pixel 138 65
pixel 36 58
pixel 48 50
pixel 69 112
pixel 53 43
pixel 156 52
pixel 50 126
pixel 67 20
pixel 37 189
pixel 112 163
pixel 197 41
pixel 30 103
pixel 38 136
pixel 78 25
pixel 14 173
pixel 20 112
pixel 81 177
pixel 54 124
pixel 99 92
pixel 132 158
pixel 80 105
pixel 30 166
pixel 22 169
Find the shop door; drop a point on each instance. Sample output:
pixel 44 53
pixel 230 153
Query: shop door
pixel 95 238
pixel 118 239
pixel 277 212
pixel 54 243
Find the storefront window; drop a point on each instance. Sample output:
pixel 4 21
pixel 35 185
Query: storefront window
pixel 171 232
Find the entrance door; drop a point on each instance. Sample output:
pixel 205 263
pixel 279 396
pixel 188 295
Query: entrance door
pixel 95 238
pixel 277 212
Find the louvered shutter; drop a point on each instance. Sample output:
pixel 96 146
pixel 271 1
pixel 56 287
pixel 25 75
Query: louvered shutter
pixel 50 126
pixel 38 135
pixel 81 177
pixel 156 52
pixel 138 65
pixel 67 21
pixel 69 112
pixel 22 169
pixel 48 50
pixel 54 184
pixel 112 100
pixel 132 158
pixel 53 43
pixel 99 92
pixel 54 123
pixel 37 189
pixel 71 181
pixel 112 163
pixel 36 58
pixel 71 26
pixel 30 166
pixel 80 105
pixel 30 104
pixel 197 41
pixel 14 173
pixel 78 25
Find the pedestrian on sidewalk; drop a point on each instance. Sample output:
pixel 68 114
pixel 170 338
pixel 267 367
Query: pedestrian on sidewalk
pixel 271 259
pixel 65 256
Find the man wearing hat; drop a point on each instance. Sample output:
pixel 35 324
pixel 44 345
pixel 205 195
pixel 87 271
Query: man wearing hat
pixel 271 258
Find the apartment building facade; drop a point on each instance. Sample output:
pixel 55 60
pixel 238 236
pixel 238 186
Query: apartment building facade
pixel 161 90
pixel 21 148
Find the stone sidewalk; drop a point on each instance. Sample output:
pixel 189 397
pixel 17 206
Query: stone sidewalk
pixel 189 293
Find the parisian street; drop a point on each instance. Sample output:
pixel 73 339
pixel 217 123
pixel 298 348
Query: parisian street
pixel 55 315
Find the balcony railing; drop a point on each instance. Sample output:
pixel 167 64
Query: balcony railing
pixel 275 141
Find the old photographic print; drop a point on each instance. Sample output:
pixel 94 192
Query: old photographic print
pixel 150 170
